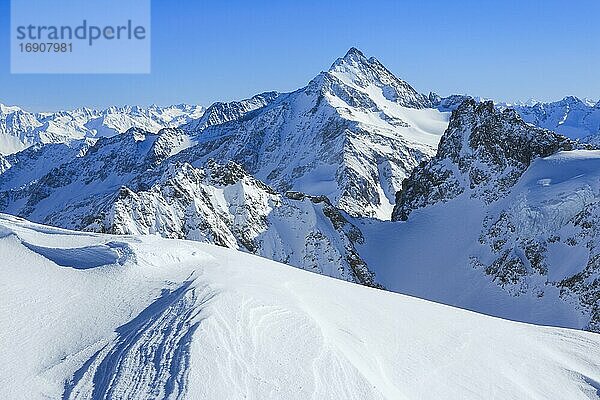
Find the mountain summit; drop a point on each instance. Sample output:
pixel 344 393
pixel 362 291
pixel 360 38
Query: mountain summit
pixel 352 134
pixel 354 69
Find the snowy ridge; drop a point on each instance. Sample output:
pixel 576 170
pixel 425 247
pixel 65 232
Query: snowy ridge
pixel 355 71
pixel 152 316
pixel 219 113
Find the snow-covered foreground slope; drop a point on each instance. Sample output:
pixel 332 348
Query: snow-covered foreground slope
pixel 93 316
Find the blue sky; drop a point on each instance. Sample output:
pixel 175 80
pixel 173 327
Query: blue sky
pixel 224 50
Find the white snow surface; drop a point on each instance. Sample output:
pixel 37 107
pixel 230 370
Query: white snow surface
pixel 97 316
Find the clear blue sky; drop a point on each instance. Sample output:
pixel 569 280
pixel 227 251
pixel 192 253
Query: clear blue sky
pixel 224 50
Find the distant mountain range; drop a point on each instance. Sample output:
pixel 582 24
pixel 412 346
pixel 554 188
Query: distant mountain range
pixel 572 117
pixel 20 129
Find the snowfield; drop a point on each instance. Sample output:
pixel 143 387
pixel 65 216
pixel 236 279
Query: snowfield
pixel 96 316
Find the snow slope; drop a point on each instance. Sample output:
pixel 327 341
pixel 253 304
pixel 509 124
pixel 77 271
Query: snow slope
pixel 144 317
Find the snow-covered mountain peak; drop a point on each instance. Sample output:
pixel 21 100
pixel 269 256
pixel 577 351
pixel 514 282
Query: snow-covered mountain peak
pixel 353 57
pixel 369 75
pixel 137 134
pixel 352 134
pixel 5 110
pixel 573 100
pixel 354 52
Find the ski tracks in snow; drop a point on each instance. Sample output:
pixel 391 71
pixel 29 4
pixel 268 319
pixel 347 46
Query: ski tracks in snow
pixel 150 356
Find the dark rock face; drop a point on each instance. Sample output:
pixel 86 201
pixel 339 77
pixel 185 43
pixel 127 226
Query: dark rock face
pixel 484 151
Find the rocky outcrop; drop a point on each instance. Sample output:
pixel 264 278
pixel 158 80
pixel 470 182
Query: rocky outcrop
pixel 484 152
pixel 223 205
